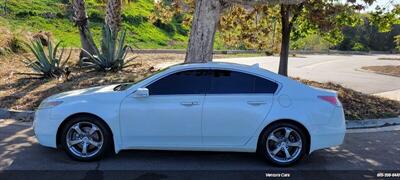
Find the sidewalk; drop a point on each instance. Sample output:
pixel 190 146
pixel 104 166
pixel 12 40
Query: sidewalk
pixel 393 95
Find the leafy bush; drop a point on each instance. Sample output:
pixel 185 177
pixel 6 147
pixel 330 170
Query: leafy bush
pixel 397 42
pixel 25 13
pixel 359 47
pixel 113 52
pixel 181 30
pixel 312 42
pixel 96 16
pixel 47 65
pixel 135 20
pixel 168 28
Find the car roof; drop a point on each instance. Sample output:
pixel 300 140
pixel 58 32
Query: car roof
pixel 254 69
pixel 224 65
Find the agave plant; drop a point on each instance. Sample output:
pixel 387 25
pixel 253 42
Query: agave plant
pixel 47 65
pixel 112 55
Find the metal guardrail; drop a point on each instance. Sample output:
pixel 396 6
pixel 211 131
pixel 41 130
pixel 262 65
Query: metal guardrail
pixel 183 51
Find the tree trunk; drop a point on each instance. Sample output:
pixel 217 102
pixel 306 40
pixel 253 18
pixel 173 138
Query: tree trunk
pixel 81 21
pixel 284 55
pixel 113 16
pixel 201 41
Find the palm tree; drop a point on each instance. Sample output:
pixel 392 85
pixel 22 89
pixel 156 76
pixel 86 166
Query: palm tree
pixel 113 16
pixel 81 21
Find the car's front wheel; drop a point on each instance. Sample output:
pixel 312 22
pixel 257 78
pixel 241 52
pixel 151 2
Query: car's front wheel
pixel 283 144
pixel 85 138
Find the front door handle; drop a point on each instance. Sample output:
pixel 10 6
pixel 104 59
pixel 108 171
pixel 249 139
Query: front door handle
pixel 190 103
pixel 256 102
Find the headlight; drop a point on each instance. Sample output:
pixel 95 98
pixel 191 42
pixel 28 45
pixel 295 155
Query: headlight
pixel 49 104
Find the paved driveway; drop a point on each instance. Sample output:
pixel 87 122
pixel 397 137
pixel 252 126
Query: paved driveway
pixel 372 151
pixel 342 69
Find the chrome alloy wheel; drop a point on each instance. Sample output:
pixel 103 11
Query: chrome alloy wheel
pixel 84 139
pixel 284 144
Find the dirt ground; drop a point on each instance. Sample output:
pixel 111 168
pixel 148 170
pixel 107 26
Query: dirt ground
pixel 388 70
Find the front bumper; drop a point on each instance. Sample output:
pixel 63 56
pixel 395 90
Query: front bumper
pixel 45 128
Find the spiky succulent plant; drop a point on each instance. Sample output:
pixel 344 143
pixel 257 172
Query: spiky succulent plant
pixel 113 53
pixel 47 65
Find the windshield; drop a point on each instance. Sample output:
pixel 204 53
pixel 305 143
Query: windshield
pixel 125 86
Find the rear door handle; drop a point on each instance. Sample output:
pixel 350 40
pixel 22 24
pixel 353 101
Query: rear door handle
pixel 190 103
pixel 256 102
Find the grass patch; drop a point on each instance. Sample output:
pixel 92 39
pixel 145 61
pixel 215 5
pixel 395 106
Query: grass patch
pixel 54 16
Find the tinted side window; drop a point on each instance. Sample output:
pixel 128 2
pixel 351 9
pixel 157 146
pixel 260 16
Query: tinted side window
pixel 231 82
pixel 185 82
pixel 262 85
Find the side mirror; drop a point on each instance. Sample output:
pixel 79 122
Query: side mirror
pixel 141 92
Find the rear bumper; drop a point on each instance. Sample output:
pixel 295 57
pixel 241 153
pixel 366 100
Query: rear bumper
pixel 329 134
pixel 45 128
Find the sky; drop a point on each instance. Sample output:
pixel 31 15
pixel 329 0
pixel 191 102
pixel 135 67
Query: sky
pixel 381 3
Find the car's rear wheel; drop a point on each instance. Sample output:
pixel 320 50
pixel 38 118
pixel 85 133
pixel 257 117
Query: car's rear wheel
pixel 283 144
pixel 85 138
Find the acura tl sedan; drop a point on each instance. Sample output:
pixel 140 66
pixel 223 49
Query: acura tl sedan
pixel 196 107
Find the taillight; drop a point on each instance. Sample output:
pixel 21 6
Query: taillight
pixel 330 99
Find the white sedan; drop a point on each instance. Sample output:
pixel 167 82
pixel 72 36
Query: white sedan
pixel 200 107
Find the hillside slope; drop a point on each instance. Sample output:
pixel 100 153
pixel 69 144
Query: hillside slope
pixel 26 17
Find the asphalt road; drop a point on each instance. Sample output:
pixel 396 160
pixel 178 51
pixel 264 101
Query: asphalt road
pixel 341 69
pixel 372 151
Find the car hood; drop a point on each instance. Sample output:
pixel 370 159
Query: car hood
pixel 85 92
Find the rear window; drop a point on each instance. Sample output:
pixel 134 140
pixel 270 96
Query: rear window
pixel 233 82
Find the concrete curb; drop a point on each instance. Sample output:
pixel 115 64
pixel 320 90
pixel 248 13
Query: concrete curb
pixel 27 116
pixel 372 123
pixel 22 116
pixel 374 130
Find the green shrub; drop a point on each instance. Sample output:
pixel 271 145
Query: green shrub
pixel 359 47
pixel 169 28
pixel 397 42
pixel 65 1
pixel 113 52
pixel 134 20
pixel 95 16
pixel 25 13
pixel 181 30
pixel 47 65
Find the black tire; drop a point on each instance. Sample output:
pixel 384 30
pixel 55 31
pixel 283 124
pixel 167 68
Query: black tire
pixel 107 137
pixel 262 144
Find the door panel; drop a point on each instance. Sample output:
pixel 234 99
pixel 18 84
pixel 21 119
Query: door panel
pixel 232 119
pixel 170 115
pixel 161 120
pixel 235 105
